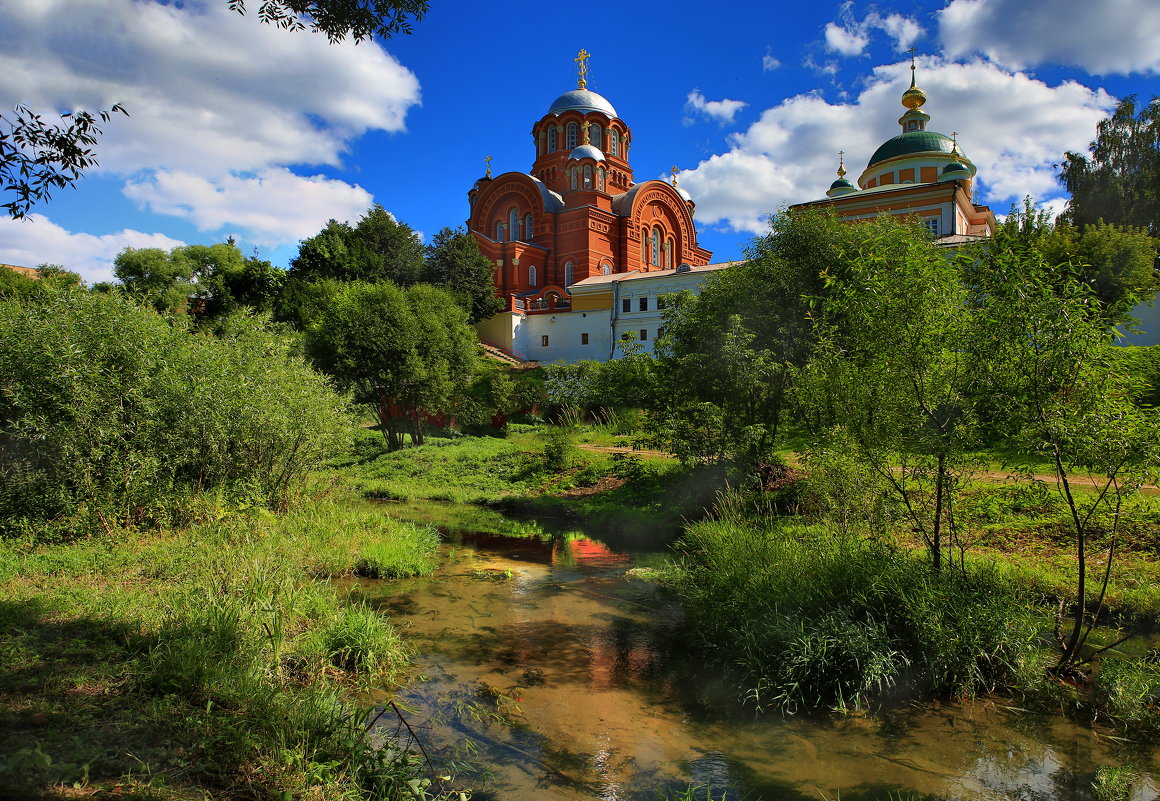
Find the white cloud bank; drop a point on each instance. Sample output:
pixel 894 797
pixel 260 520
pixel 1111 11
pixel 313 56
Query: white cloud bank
pixel 1013 127
pixel 1103 38
pixel 723 111
pixel 274 207
pixel 36 240
pixel 209 91
pixel 221 106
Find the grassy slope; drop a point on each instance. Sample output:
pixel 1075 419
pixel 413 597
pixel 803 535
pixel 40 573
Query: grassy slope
pixel 210 661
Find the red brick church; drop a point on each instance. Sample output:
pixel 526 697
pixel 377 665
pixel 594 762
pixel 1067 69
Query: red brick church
pixel 578 213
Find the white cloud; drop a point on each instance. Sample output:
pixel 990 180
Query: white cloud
pixel 1013 127
pixel 846 41
pixel 209 91
pixel 36 240
pixel 769 62
pixel 1111 36
pixel 903 30
pixel 273 207
pixel 721 110
pixel 851 36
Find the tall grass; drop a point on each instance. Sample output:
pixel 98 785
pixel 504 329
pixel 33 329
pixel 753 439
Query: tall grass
pixel 813 619
pixel 220 657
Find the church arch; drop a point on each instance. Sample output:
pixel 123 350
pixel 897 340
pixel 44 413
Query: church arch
pixel 596 137
pixel 572 137
pixel 552 139
pixel 532 276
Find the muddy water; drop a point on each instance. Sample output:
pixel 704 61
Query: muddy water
pixel 566 679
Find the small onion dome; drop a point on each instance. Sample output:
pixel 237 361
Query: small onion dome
pixel 955 172
pixel 587 152
pixel 840 187
pixel 581 100
pixel 913 97
pixel 685 196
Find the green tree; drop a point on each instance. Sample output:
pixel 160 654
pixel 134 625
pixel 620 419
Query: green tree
pixel 1058 390
pixel 403 352
pixel 216 279
pixel 893 376
pixel 37 157
pixel 154 277
pixel 728 358
pixel 1117 261
pixel 1119 181
pixel 338 19
pixel 455 263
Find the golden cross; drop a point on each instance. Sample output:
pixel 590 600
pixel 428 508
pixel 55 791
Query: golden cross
pixel 912 51
pixel 586 125
pixel 488 160
pixel 841 163
pixel 582 59
pixel 674 172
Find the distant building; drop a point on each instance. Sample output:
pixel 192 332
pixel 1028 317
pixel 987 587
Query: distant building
pixel 577 216
pixel 28 272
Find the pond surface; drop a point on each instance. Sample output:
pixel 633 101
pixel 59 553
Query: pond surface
pixel 544 663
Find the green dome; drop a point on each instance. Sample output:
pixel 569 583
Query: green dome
pixel 842 183
pixel 911 143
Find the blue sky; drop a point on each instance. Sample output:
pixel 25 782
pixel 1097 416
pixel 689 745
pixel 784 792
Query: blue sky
pixel 238 129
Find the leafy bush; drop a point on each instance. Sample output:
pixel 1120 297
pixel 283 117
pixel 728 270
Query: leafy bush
pixel 813 619
pixel 111 415
pixel 1126 693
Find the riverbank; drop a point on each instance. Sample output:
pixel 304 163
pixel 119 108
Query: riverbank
pixel 208 662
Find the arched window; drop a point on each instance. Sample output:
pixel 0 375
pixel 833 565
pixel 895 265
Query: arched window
pixel 575 173
pixel 540 145
pixel 573 136
pixel 528 228
pixel 587 176
pixel 596 137
pixel 600 179
pixel 569 274
pixel 499 231
pixel 514 224
pixel 624 143
pixel 532 276
pixel 613 142
pixel 643 246
pixel 552 139
pixel 656 247
pixel 606 269
pixel 669 253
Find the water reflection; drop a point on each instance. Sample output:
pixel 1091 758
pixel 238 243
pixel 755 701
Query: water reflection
pixel 572 681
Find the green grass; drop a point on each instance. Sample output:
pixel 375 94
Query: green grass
pixel 213 661
pixel 813 620
pixel 460 469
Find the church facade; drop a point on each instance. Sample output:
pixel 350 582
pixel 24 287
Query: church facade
pixel 919 173
pixel 577 216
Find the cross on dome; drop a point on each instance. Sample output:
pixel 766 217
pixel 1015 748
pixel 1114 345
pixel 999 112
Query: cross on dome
pixel 582 59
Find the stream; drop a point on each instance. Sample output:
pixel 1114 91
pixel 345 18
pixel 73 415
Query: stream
pixel 545 671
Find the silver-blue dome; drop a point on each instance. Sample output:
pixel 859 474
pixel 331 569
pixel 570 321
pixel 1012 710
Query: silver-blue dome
pixel 581 100
pixel 586 152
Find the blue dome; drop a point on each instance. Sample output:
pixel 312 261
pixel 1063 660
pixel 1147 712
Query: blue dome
pixel 581 100
pixel 586 152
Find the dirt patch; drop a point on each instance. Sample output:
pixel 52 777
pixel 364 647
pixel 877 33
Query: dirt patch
pixel 622 449
pixel 603 485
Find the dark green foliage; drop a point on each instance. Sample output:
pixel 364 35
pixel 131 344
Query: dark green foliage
pixel 1117 262
pixel 338 19
pixel 15 285
pixel 37 158
pixel 378 248
pixel 816 620
pixel 208 281
pixel 455 263
pixel 1119 182
pixel 403 352
pixel 109 414
pixel 1143 364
